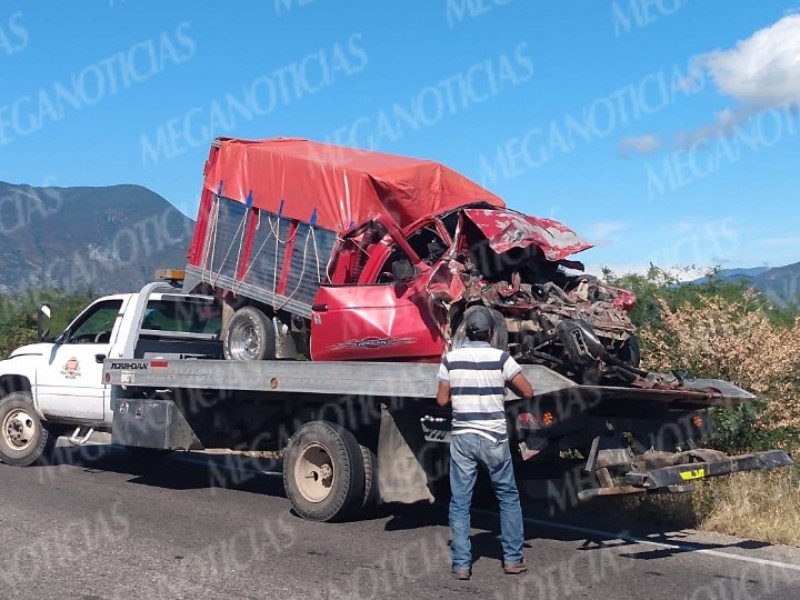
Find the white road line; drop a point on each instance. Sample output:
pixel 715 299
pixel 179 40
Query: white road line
pixel 629 538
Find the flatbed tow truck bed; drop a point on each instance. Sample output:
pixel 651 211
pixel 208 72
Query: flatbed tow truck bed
pixel 385 379
pixel 626 437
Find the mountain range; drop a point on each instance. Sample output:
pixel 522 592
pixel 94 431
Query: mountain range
pixel 781 285
pixel 106 239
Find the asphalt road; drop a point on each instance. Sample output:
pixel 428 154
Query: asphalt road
pixel 100 526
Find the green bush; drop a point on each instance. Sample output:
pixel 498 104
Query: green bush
pixel 724 330
pixel 18 314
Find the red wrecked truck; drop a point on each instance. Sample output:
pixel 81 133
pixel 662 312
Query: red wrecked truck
pixel 331 253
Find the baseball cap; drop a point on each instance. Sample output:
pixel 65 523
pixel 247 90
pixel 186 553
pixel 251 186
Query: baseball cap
pixel 479 320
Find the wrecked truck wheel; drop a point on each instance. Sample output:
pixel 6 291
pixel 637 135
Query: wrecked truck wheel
pixel 499 335
pixel 249 336
pixel 23 437
pixel 323 472
pixel 630 352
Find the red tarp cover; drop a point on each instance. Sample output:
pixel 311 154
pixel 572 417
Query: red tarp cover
pixel 344 186
pixel 506 229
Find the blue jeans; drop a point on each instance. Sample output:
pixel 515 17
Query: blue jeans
pixel 467 451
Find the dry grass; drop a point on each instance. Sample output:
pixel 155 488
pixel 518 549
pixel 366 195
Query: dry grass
pixel 763 506
pixel 733 340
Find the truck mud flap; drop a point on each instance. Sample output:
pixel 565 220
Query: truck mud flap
pixel 678 478
pixel 402 473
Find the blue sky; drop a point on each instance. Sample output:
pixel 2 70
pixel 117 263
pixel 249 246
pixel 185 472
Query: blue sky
pixel 658 129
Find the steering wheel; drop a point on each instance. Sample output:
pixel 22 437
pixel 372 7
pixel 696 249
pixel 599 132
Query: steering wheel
pixel 102 337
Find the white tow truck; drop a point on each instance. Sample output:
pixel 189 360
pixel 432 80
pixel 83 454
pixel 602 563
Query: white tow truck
pixel 55 387
pixel 148 367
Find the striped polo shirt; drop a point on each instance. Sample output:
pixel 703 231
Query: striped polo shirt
pixel 478 374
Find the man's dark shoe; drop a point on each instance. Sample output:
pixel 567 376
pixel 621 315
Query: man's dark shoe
pixel 515 568
pixel 461 573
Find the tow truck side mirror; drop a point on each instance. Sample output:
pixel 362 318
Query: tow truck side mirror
pixel 43 323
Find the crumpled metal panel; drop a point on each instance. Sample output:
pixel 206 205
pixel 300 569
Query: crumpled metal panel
pixel 506 229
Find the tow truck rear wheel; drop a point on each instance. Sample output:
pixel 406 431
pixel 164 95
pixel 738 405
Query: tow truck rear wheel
pixel 371 496
pixel 323 472
pixel 23 437
pixel 249 336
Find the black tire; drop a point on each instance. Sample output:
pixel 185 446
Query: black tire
pixel 23 437
pixel 249 336
pixel 316 445
pixel 371 494
pixel 630 353
pixel 499 335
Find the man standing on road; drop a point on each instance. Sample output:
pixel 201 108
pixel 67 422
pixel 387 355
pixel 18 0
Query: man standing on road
pixel 474 378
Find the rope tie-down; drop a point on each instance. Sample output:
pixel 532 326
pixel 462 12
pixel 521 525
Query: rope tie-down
pixel 273 233
pixel 241 229
pixel 210 241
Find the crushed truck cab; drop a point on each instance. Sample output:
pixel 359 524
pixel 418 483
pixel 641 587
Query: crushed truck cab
pixel 338 254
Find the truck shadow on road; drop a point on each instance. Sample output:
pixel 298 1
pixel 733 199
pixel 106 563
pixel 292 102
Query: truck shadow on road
pixel 176 470
pixel 586 529
pixel 235 472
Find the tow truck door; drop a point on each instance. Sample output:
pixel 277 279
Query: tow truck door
pixel 69 384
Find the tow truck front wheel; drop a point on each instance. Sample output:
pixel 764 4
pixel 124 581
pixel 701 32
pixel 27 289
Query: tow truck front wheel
pixel 23 437
pixel 323 472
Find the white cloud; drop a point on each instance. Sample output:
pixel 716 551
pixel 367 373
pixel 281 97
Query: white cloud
pixel 760 72
pixel 723 126
pixel 763 70
pixel 644 144
pixel 680 273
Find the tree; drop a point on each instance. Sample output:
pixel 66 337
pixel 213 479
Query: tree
pixel 18 313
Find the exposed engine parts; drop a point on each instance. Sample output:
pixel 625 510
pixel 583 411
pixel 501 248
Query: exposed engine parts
pixel 574 324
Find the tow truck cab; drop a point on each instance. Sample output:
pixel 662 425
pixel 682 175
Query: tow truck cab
pixel 60 378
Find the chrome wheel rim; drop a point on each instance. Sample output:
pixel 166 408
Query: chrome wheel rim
pixel 243 342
